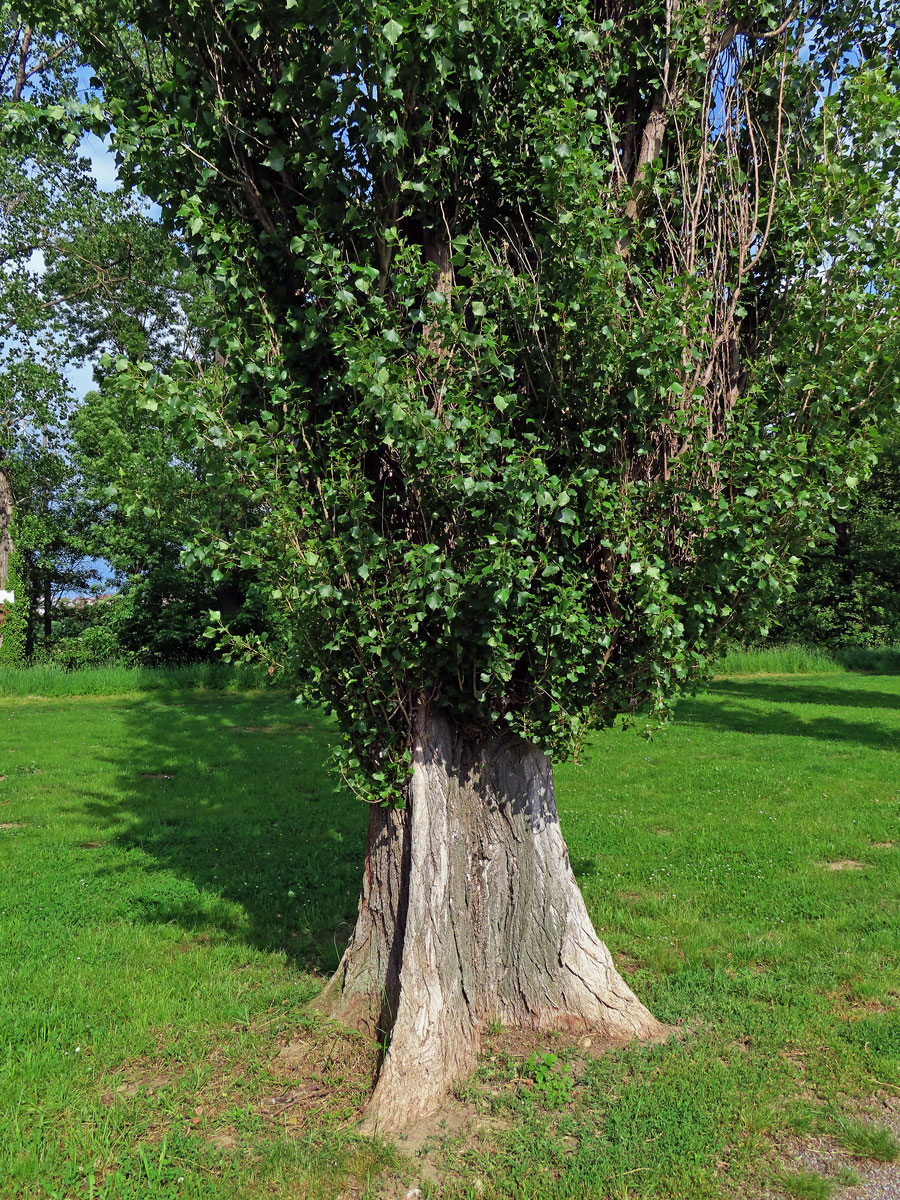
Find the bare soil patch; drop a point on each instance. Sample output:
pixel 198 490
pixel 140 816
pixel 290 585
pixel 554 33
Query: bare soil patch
pixel 326 1076
pixel 851 1007
pixel 458 1125
pixel 141 1077
pixel 520 1043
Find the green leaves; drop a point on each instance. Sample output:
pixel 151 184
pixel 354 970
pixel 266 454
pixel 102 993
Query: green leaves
pixel 506 418
pixel 392 30
pixel 274 159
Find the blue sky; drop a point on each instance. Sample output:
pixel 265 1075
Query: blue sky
pixel 103 168
pixel 103 163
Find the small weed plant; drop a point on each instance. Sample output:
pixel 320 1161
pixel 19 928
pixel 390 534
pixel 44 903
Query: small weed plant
pixel 846 1177
pixel 806 1185
pixel 552 1081
pixel 868 1141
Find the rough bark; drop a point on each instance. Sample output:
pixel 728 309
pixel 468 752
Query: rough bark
pixel 470 912
pixel 6 514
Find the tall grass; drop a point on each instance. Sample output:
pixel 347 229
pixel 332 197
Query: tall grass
pixel 808 660
pixel 777 660
pixel 51 680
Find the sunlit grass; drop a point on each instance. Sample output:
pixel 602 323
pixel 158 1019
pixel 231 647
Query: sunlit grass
pixel 808 660
pixel 177 876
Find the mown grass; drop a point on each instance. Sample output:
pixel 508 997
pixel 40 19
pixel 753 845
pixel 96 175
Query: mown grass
pixel 177 876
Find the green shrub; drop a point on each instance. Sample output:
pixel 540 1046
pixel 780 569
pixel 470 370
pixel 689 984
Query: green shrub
pixel 95 646
pixel 848 589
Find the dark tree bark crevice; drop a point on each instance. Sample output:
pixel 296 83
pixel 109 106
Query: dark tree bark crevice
pixel 470 912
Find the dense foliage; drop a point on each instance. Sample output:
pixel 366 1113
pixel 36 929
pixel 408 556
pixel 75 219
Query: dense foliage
pixel 50 212
pixel 546 335
pixel 848 588
pixel 89 272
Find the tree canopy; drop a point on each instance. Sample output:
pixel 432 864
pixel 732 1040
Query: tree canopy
pixel 87 273
pixel 546 335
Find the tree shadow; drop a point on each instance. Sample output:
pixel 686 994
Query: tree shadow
pixel 758 707
pixel 231 794
pixel 869 660
pixel 227 802
pixel 808 691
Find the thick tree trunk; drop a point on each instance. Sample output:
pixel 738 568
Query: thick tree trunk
pixel 470 912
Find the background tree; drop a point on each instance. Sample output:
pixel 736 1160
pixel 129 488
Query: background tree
pixel 149 497
pixel 51 217
pixel 546 337
pixel 49 520
pixel 848 588
pixel 147 505
pixel 29 63
pixel 89 274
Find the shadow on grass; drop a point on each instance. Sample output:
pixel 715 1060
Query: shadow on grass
pixel 232 795
pixel 884 661
pixel 228 806
pixel 757 707
pixel 809 691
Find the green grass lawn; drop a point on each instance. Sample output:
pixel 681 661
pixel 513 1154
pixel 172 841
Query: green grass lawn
pixel 177 875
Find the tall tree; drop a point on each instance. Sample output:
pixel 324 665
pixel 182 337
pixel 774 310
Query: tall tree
pixel 87 273
pixel 50 208
pixel 547 334
pixel 49 522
